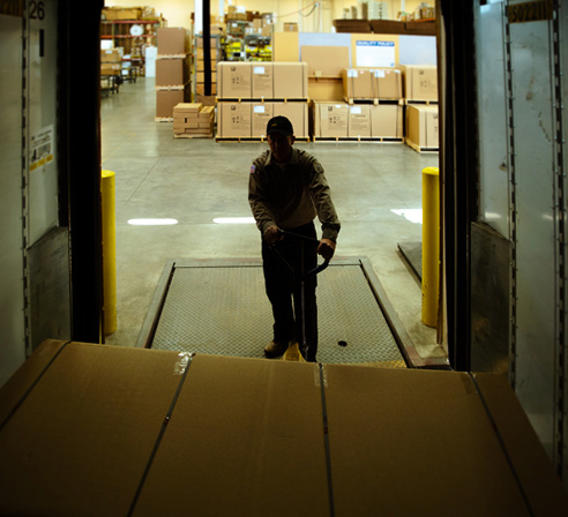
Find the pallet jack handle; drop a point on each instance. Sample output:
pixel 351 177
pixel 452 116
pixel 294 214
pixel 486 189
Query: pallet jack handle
pixel 317 269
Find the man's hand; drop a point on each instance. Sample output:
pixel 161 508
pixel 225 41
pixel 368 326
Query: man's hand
pixel 326 248
pixel 272 235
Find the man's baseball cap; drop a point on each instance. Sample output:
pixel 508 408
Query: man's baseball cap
pixel 280 125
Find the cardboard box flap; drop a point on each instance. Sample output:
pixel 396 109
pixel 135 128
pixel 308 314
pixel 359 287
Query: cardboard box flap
pixel 17 387
pixel 245 438
pixel 393 429
pixel 542 487
pixel 83 437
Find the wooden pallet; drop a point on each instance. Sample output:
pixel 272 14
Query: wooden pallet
pixel 420 149
pixel 254 139
pixel 164 119
pixel 170 87
pixel 360 139
pixel 408 102
pixel 373 101
pixel 261 99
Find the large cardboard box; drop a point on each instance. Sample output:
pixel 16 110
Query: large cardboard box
pixel 110 68
pixel 200 89
pixel 290 80
pixel 325 61
pixel 234 79
pixel 234 119
pixel 172 41
pixel 172 71
pixel 357 83
pixel 200 65
pixel 108 430
pixel 262 80
pixel 166 100
pixel 297 113
pixel 201 76
pixel 387 121
pixel 113 55
pixel 421 82
pixel 387 83
pixel 331 119
pixel 260 114
pixel 422 126
pixel 359 121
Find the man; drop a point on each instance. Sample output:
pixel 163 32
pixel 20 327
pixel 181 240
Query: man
pixel 287 189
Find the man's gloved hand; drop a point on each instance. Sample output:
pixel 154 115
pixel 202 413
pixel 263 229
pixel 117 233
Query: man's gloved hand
pixel 326 248
pixel 272 235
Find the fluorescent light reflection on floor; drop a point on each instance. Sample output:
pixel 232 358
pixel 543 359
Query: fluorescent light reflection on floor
pixel 414 215
pixel 233 220
pixel 152 222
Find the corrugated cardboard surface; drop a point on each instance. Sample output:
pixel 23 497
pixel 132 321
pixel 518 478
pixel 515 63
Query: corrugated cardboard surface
pixel 99 430
pixel 172 71
pixel 172 41
pixel 358 84
pixel 166 100
pixel 422 125
pixel 325 61
pixel 359 121
pixel 421 82
pixel 235 80
pixel 234 119
pixel 387 83
pixel 325 89
pixel 286 46
pixel 262 80
pixel 79 443
pixel 245 439
pixel 531 464
pixel 331 119
pixel 260 115
pixel 297 113
pixel 414 443
pixel 386 121
pixel 290 80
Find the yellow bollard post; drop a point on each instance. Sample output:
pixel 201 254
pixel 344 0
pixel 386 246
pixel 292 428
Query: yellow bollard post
pixel 109 251
pixel 430 245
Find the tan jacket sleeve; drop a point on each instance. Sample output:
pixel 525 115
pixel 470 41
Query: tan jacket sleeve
pixel 325 209
pixel 260 211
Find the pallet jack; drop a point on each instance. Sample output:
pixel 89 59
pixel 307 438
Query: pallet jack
pixel 298 351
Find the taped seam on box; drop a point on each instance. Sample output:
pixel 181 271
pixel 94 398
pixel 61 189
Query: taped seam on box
pixel 185 361
pixel 323 386
pixel 32 386
pixel 502 445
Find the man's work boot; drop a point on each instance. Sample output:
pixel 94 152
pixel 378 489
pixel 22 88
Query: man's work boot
pixel 275 349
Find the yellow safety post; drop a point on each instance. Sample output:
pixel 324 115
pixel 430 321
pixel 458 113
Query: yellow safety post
pixel 109 251
pixel 430 245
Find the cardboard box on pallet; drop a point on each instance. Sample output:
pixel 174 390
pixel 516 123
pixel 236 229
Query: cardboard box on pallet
pixel 387 121
pixel 290 80
pixel 261 113
pixel 113 55
pixel 387 83
pixel 357 83
pixel 172 71
pixel 262 80
pixel 234 119
pixel 234 79
pixel 167 99
pixel 297 113
pixel 331 119
pixel 422 125
pixel 421 82
pixel 172 41
pixel 325 61
pixel 185 116
pixel 88 418
pixel 359 121
pixel 110 68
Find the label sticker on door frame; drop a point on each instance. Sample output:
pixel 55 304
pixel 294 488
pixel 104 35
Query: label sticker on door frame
pixel 41 148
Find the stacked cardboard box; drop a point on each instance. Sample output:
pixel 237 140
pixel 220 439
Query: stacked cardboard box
pixel 340 120
pixel 378 83
pixel 172 70
pixel 269 83
pixel 281 80
pixel 422 130
pixel 420 82
pixel 111 61
pixel 215 53
pixel 193 119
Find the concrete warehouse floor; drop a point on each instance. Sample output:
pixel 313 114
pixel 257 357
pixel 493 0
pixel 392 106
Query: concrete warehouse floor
pixel 195 181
